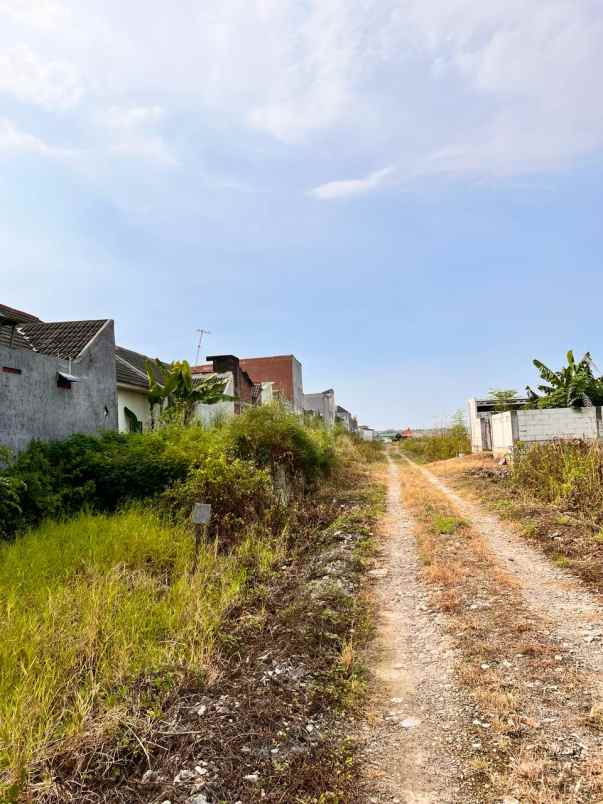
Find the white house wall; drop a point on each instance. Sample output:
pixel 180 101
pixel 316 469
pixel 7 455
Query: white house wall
pixel 138 403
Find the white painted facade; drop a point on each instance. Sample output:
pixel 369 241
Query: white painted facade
pixel 366 433
pixel 136 400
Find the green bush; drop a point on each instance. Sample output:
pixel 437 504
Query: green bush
pixel 271 437
pixel 103 472
pixel 240 494
pixel 60 478
pixel 448 443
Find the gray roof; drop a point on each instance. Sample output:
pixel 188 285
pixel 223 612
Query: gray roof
pixel 63 339
pixel 60 338
pixel 10 318
pixel 131 368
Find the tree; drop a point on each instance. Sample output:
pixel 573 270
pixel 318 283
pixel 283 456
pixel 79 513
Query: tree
pixel 180 391
pixel 574 386
pixel 502 398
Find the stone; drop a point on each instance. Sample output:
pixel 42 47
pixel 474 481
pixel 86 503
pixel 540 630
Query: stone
pixel 184 776
pixel 199 798
pixel 410 723
pixel 251 777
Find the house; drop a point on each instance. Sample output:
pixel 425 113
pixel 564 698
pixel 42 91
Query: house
pixel 480 421
pixel 238 384
pixel 344 417
pixel 56 378
pixel 366 433
pixel 322 404
pixel 285 374
pixel 134 413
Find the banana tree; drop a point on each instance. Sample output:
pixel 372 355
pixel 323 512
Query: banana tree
pixel 178 389
pixel 574 386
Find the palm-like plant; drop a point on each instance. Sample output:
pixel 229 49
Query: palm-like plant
pixel 574 386
pixel 179 389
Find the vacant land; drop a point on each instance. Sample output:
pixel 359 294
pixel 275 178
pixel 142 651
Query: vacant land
pixel 125 676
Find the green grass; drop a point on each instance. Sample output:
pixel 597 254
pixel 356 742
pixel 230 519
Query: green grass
pixel 90 605
pixel 445 525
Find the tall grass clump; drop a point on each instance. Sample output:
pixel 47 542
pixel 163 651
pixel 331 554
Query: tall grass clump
pixel 447 443
pixel 89 606
pixel 565 473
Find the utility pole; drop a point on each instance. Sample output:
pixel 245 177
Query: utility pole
pixel 201 332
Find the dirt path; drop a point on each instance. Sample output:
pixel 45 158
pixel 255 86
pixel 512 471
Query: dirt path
pixel 488 661
pixel 414 737
pixel 575 615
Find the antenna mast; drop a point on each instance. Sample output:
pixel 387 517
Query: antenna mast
pixel 201 332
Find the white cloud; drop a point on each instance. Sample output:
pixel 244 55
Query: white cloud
pixel 131 117
pixel 12 139
pixel 132 134
pixel 462 87
pixel 53 84
pixel 351 187
pixel 41 14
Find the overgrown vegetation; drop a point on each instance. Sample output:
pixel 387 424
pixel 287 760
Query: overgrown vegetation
pixel 102 622
pixel 104 472
pixel 568 474
pixel 573 386
pixel 447 443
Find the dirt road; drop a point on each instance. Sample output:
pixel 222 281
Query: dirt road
pixel 487 665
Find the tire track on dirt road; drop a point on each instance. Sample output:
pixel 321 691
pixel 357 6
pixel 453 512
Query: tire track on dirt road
pixel 575 614
pixel 415 738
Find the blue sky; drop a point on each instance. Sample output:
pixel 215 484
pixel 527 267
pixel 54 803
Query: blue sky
pixel 406 194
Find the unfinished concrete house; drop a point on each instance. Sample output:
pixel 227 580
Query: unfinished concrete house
pixel 56 378
pixel 323 405
pixel 480 421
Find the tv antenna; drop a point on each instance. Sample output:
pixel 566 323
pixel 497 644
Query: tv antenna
pixel 201 332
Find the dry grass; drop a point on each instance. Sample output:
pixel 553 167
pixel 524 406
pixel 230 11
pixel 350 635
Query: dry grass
pixel 507 661
pixel 572 542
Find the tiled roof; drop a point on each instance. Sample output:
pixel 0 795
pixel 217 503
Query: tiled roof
pixel 131 367
pixel 16 315
pixel 9 334
pixel 60 338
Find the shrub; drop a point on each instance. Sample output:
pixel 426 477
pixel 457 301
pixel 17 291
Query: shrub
pixel 11 512
pixel 60 478
pixel 240 494
pixel 448 443
pixel 272 437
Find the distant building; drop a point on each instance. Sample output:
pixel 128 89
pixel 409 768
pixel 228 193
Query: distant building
pixel 285 374
pixel 366 433
pixel 56 378
pixel 344 417
pixel 238 384
pixel 322 404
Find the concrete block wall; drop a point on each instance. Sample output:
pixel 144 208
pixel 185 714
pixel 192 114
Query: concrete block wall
pixel 533 426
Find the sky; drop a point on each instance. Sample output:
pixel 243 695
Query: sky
pixel 405 194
